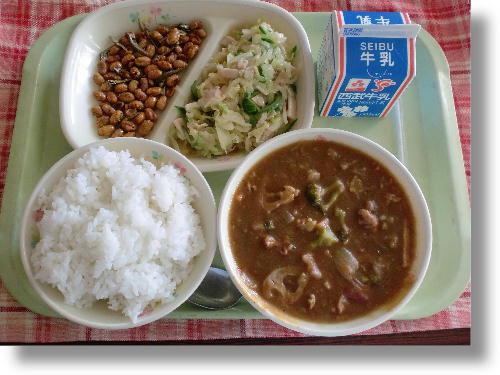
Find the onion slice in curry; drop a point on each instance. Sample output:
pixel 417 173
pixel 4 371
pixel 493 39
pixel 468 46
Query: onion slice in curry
pixel 346 263
pixel 275 281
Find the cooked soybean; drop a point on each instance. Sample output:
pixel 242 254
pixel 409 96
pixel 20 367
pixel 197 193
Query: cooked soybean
pixel 138 74
pixel 106 130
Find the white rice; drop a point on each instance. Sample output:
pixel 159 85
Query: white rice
pixel 119 229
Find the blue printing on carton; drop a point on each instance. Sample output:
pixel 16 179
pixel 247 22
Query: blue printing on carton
pixel 386 65
pixel 373 18
pixel 377 69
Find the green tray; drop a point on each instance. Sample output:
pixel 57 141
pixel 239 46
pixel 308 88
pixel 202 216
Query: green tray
pixel 421 131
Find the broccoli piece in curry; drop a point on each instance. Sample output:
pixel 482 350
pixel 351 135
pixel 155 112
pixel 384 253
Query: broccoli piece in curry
pixel 317 194
pixel 314 194
pixel 326 237
pixel 340 214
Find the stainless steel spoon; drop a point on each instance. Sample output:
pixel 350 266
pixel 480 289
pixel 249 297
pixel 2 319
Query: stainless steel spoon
pixel 216 291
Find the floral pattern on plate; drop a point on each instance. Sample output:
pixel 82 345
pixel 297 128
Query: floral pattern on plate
pixel 152 15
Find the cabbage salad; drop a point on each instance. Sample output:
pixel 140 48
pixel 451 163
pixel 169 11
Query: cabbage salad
pixel 246 95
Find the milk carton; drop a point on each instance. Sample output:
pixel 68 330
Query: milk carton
pixel 366 61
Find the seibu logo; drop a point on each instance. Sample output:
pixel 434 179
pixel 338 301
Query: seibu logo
pixel 382 84
pixel 357 84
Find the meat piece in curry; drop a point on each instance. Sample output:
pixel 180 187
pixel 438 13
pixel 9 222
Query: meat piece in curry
pixel 323 232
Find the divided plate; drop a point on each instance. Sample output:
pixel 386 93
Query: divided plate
pixel 220 17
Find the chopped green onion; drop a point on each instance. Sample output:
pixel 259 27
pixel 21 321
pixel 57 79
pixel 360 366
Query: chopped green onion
pixel 288 126
pixel 269 40
pixel 261 79
pixel 194 142
pixel 253 120
pixel 262 30
pixel 194 90
pixel 181 110
pixel 293 52
pixel 248 105
pixel 222 107
pixel 274 104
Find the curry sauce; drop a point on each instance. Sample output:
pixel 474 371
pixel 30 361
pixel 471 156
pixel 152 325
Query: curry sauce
pixel 323 232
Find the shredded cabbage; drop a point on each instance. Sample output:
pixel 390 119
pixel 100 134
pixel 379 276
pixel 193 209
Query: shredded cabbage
pixel 245 95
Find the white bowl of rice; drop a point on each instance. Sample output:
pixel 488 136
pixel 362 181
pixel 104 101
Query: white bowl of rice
pixel 119 233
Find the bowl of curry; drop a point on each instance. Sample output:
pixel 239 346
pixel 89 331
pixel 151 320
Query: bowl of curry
pixel 324 231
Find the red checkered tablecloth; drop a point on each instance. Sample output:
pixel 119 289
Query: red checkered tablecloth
pixel 22 22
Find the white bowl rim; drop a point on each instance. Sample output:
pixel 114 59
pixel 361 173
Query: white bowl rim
pixel 205 165
pixel 210 245
pixel 419 205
